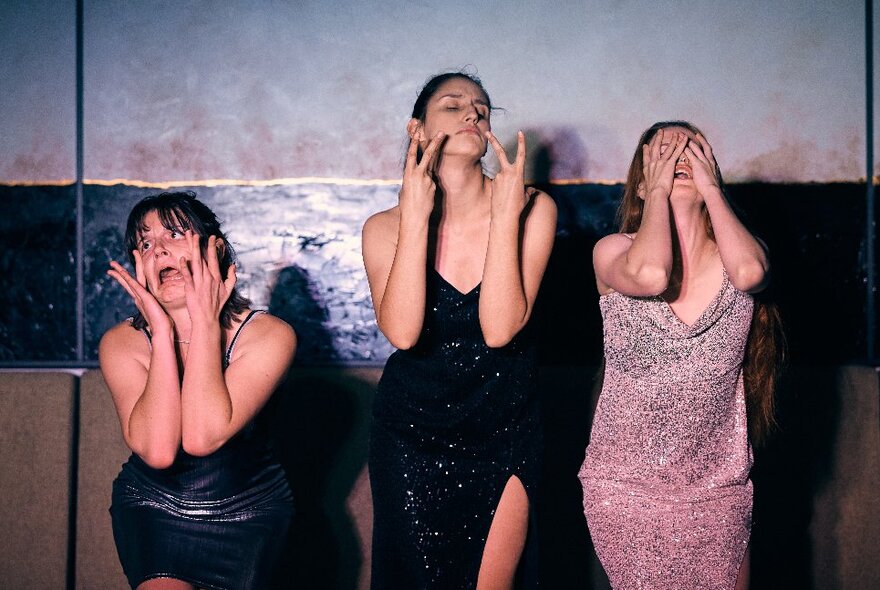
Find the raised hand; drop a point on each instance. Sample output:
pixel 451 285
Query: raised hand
pixel 705 170
pixel 156 317
pixel 508 186
pixel 418 187
pixel 659 157
pixel 206 291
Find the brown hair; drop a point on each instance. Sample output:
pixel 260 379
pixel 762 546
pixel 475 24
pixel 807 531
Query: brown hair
pixel 766 347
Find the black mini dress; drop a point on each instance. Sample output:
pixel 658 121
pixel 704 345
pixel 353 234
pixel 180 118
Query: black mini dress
pixel 217 522
pixel 453 421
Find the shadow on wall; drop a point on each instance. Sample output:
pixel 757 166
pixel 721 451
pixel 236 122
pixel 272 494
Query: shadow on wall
pixel 294 300
pixel 321 433
pixel 320 425
pixel 569 332
pixel 789 474
pixel 557 153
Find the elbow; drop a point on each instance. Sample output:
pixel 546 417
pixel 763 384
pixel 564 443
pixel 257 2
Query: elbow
pixel 200 446
pixel 653 280
pixel 750 278
pixel 402 343
pixel 401 339
pixel 499 338
pixel 158 458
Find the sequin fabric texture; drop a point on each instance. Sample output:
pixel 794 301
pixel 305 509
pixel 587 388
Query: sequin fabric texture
pixel 667 495
pixel 453 420
pixel 218 522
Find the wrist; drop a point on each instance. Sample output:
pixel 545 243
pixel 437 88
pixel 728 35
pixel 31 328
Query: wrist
pixel 657 192
pixel 507 208
pixel 206 329
pixel 712 192
pixel 413 224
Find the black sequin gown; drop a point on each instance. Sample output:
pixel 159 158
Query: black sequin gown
pixel 453 420
pixel 217 522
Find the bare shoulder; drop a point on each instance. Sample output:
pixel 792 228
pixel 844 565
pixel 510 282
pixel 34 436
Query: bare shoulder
pixel 379 238
pixel 382 223
pixel 541 209
pixel 125 337
pixel 541 203
pixel 606 253
pixel 612 245
pixel 265 328
pixel 123 344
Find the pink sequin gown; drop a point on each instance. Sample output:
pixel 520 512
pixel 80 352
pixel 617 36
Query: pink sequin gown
pixel 667 493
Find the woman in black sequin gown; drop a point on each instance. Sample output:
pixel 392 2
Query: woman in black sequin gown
pixel 202 502
pixel 454 270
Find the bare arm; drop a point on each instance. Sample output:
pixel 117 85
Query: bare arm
pixel 744 256
pixel 396 269
pixel 642 266
pixel 143 379
pixel 521 238
pixel 215 404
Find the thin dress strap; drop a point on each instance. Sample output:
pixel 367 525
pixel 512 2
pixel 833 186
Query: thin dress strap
pixel 228 356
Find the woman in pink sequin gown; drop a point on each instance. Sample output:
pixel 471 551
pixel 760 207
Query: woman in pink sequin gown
pixel 667 493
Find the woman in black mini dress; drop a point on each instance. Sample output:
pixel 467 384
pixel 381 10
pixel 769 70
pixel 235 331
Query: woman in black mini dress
pixel 202 502
pixel 454 270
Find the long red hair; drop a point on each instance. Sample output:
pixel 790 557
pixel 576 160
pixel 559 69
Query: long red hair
pixel 766 347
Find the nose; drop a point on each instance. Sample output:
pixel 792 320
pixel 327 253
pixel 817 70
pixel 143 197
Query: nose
pixel 160 248
pixel 471 114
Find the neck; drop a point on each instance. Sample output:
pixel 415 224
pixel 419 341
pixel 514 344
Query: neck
pixel 464 188
pixel 182 323
pixel 691 242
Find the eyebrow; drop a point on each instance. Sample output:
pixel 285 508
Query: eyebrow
pixel 478 101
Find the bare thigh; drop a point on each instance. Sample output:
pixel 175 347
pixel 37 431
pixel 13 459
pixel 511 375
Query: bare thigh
pixel 507 537
pixel 742 579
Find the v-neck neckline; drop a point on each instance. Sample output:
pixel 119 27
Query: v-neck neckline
pixel 713 303
pixel 456 289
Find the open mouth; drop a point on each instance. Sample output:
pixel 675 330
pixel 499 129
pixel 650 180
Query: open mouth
pixel 169 273
pixel 683 173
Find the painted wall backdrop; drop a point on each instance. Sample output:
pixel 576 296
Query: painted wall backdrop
pixel 288 118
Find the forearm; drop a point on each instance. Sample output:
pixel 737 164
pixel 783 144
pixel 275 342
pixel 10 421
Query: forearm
pixel 402 310
pixel 154 425
pixel 743 256
pixel 504 307
pixel 206 407
pixel 648 261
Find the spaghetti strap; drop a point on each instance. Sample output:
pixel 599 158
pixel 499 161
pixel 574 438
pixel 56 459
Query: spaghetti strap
pixel 228 356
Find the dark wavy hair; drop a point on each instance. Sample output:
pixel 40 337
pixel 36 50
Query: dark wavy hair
pixel 182 211
pixel 766 347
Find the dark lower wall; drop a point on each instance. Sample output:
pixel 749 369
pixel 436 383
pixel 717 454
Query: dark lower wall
pixel 299 256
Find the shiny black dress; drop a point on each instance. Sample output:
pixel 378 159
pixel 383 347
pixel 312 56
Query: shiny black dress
pixel 453 420
pixel 217 522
